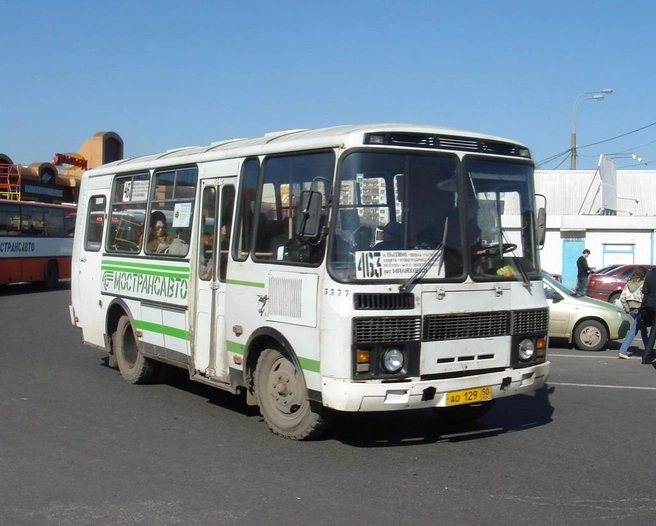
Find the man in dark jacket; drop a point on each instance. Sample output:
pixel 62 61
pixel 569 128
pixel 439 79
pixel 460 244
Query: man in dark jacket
pixel 649 300
pixel 582 272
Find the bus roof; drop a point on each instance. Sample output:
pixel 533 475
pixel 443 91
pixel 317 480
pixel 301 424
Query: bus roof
pixel 299 139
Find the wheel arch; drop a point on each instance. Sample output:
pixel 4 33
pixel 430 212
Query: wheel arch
pixel 578 324
pixel 115 310
pixel 266 338
pixel 589 318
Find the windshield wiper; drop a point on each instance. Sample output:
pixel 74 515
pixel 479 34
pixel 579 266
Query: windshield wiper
pixel 438 253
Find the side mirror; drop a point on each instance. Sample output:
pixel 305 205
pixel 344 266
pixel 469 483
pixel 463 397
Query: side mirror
pixel 557 297
pixel 542 222
pixel 542 226
pixel 309 215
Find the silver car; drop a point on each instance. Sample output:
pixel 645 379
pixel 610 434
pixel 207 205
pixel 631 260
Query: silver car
pixel 586 322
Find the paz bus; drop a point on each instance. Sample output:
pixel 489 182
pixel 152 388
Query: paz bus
pixel 36 242
pixel 353 268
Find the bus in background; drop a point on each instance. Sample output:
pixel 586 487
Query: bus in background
pixel 36 242
pixel 354 268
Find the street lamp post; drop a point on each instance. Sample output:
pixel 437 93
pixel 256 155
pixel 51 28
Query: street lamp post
pixel 588 95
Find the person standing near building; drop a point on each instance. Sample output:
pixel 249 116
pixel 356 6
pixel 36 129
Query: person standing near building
pixel 649 302
pixel 582 272
pixel 631 299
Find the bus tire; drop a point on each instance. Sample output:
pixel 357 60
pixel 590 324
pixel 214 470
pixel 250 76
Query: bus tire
pixel 135 368
pixel 461 414
pixel 281 394
pixel 52 275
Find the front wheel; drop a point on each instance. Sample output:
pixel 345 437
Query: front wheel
pixel 461 414
pixel 590 335
pixel 282 397
pixel 134 366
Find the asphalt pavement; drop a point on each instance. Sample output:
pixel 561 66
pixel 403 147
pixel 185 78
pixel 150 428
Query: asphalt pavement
pixel 79 446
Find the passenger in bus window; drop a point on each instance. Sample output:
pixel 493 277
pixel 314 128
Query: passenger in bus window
pixel 180 245
pixel 158 239
pixel 392 237
pixel 33 228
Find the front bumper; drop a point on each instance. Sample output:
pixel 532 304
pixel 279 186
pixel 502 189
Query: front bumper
pixel 344 395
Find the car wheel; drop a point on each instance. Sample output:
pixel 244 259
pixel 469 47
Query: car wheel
pixel 590 335
pixel 614 297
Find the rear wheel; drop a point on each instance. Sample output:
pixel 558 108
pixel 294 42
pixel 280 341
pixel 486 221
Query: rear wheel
pixel 52 275
pixel 464 413
pixel 590 335
pixel 135 367
pixel 282 396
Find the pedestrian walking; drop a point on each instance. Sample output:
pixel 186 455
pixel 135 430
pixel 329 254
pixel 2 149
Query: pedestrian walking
pixel 631 299
pixel 649 304
pixel 583 270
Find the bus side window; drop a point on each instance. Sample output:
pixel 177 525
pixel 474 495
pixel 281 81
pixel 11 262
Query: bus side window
pixel 95 223
pixel 32 223
pixel 9 219
pixel 227 207
pixel 207 235
pixel 128 212
pixel 244 221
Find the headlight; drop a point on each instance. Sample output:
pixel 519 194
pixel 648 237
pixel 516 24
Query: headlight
pixel 526 350
pixel 393 360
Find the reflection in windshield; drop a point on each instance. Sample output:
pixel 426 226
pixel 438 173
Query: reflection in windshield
pixel 395 209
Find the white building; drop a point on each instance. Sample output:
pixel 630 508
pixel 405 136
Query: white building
pixel 614 219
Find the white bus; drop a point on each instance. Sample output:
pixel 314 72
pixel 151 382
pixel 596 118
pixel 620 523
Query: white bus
pixel 353 268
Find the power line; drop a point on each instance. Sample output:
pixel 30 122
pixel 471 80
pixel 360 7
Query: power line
pixel 554 157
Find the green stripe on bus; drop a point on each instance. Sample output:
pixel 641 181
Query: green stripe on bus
pixel 168 272
pixel 132 264
pixel 245 283
pixel 237 348
pixel 307 364
pixel 161 329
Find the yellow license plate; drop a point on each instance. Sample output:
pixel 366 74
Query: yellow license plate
pixel 469 396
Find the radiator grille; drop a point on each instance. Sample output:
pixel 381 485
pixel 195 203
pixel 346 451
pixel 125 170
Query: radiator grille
pixel 285 296
pixel 530 321
pixel 439 327
pixel 469 325
pixel 386 329
pixel 364 301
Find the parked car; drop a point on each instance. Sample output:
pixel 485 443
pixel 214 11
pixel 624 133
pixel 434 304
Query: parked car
pixel 557 277
pixel 607 285
pixel 585 322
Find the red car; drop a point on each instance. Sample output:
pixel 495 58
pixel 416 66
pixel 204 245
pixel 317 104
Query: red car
pixel 607 284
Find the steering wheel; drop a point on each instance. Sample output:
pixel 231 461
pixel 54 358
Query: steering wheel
pixel 493 250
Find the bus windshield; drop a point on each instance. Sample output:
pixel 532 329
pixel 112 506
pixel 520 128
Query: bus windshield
pixel 403 215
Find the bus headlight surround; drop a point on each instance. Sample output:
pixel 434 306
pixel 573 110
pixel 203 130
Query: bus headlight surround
pixel 393 360
pixel 526 350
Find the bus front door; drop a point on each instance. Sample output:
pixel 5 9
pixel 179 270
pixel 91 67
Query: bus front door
pixel 210 352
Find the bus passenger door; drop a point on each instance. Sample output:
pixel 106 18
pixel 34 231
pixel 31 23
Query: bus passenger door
pixel 87 275
pixel 210 352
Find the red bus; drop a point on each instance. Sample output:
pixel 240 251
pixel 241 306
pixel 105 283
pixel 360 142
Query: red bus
pixel 36 242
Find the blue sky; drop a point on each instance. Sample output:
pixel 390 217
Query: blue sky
pixel 164 74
